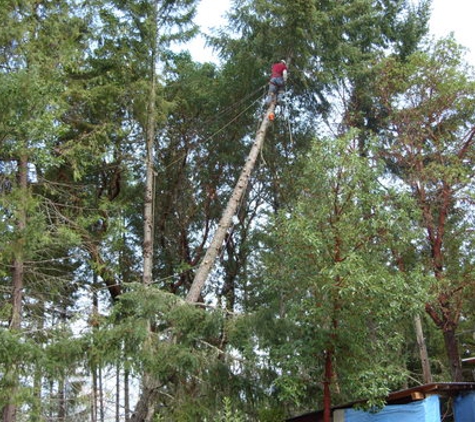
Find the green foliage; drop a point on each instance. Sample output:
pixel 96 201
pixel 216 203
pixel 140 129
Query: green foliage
pixel 430 103
pixel 182 339
pixel 14 350
pixel 336 289
pixel 325 41
pixel 228 414
pixel 22 358
pixel 74 102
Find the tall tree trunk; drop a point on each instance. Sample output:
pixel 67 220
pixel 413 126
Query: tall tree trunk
pixel 445 316
pixel 94 395
pixel 62 398
pixel 451 346
pixel 126 395
pixel 327 380
pixel 145 405
pixel 18 272
pixel 144 408
pixel 101 396
pixel 149 187
pixel 443 321
pixel 94 367
pixel 421 344
pixel 38 377
pixel 62 393
pixel 226 219
pixel 117 393
pixel 18 262
pixel 17 293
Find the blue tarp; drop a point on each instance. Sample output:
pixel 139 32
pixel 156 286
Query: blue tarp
pixel 464 408
pixel 427 410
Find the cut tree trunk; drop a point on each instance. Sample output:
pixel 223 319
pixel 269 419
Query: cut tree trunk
pixel 225 222
pixel 144 409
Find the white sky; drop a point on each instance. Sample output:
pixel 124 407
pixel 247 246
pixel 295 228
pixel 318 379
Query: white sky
pixel 448 16
pixel 210 14
pixel 455 16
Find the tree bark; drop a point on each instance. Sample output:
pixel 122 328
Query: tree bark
pixel 62 398
pixel 327 379
pixel 126 395
pixel 226 220
pixel 421 344
pixel 145 406
pixel 448 325
pixel 117 393
pixel 144 409
pixel 451 346
pixel 18 263
pixel 149 187
pixel 18 272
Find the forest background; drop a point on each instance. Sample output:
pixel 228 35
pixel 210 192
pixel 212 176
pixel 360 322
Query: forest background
pixel 348 270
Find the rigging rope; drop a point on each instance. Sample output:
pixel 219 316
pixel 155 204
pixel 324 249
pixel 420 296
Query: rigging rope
pixel 228 109
pixel 233 106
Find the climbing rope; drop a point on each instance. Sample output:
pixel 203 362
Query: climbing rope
pixel 229 109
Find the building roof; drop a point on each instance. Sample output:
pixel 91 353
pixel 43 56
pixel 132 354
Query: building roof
pixel 443 389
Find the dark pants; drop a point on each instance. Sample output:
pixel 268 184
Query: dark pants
pixel 276 89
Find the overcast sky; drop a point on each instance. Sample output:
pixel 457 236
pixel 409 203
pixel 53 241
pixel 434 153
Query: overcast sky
pixel 455 16
pixel 448 16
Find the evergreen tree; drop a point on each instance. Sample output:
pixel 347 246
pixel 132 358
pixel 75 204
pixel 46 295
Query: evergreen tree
pixel 39 43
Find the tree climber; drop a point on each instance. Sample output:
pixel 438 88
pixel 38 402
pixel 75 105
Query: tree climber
pixel 277 81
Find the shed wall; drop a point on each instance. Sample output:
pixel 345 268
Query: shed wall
pixel 427 410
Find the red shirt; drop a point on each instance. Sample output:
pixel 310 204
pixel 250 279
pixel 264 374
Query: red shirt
pixel 278 70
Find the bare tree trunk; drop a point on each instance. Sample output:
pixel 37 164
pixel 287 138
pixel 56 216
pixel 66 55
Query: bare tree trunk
pixel 126 395
pixel 144 408
pixel 145 405
pixel 18 271
pixel 451 345
pixel 18 264
pixel 225 223
pixel 94 367
pixel 94 395
pixel 421 344
pixel 327 380
pixel 117 393
pixel 101 396
pixel 149 188
pixel 10 409
pixel 38 378
pixel 62 398
pixel 17 296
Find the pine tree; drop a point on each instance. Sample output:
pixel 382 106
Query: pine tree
pixel 38 43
